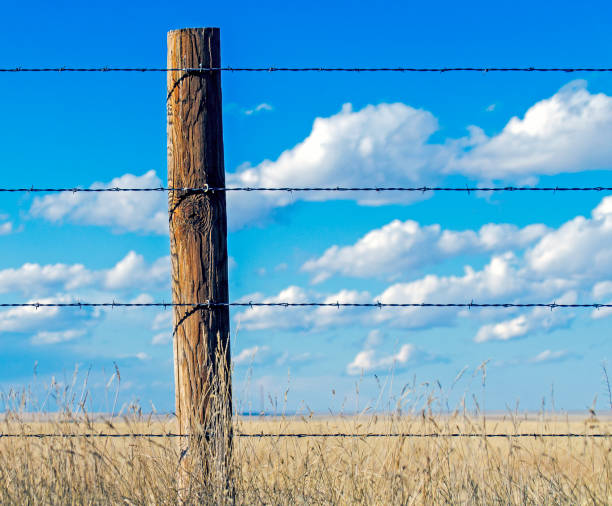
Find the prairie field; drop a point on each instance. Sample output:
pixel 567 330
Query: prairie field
pixel 393 469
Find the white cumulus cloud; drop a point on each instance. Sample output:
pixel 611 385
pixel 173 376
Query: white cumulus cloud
pixel 562 265
pixel 379 145
pixel 501 280
pixel 51 319
pixel 261 318
pixel 370 360
pixel 580 248
pixel 376 145
pixel 567 132
pixel 537 320
pixel 388 144
pixel 33 278
pixel 132 272
pixel 123 211
pixel 400 247
pixel 498 281
pixel 123 282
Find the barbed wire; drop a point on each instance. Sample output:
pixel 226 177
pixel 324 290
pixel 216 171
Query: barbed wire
pixel 419 189
pixel 380 305
pixel 324 435
pixel 307 69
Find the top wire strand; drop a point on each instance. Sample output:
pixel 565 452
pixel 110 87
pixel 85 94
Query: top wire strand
pixel 418 189
pixel 309 69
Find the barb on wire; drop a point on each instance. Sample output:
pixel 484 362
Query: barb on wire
pixel 420 189
pixel 324 435
pixel 200 70
pixel 212 305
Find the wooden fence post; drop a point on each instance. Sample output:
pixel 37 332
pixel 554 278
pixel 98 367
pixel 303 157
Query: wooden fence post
pixel 198 232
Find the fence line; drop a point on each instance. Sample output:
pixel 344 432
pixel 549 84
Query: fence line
pixel 380 305
pixel 324 435
pixel 208 305
pixel 308 69
pixel 419 189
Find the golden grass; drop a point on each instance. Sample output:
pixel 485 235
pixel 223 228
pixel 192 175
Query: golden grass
pixel 303 470
pixel 336 470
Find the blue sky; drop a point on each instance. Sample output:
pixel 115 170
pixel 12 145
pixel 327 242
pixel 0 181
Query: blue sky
pixel 456 129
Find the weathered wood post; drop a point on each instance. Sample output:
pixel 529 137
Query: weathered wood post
pixel 198 234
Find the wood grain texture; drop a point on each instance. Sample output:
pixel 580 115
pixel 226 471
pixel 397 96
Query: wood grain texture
pixel 198 224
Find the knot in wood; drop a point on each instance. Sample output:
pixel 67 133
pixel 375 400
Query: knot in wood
pixel 194 212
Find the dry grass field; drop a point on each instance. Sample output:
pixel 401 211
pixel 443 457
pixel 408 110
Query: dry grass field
pixel 416 451
pixel 313 470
